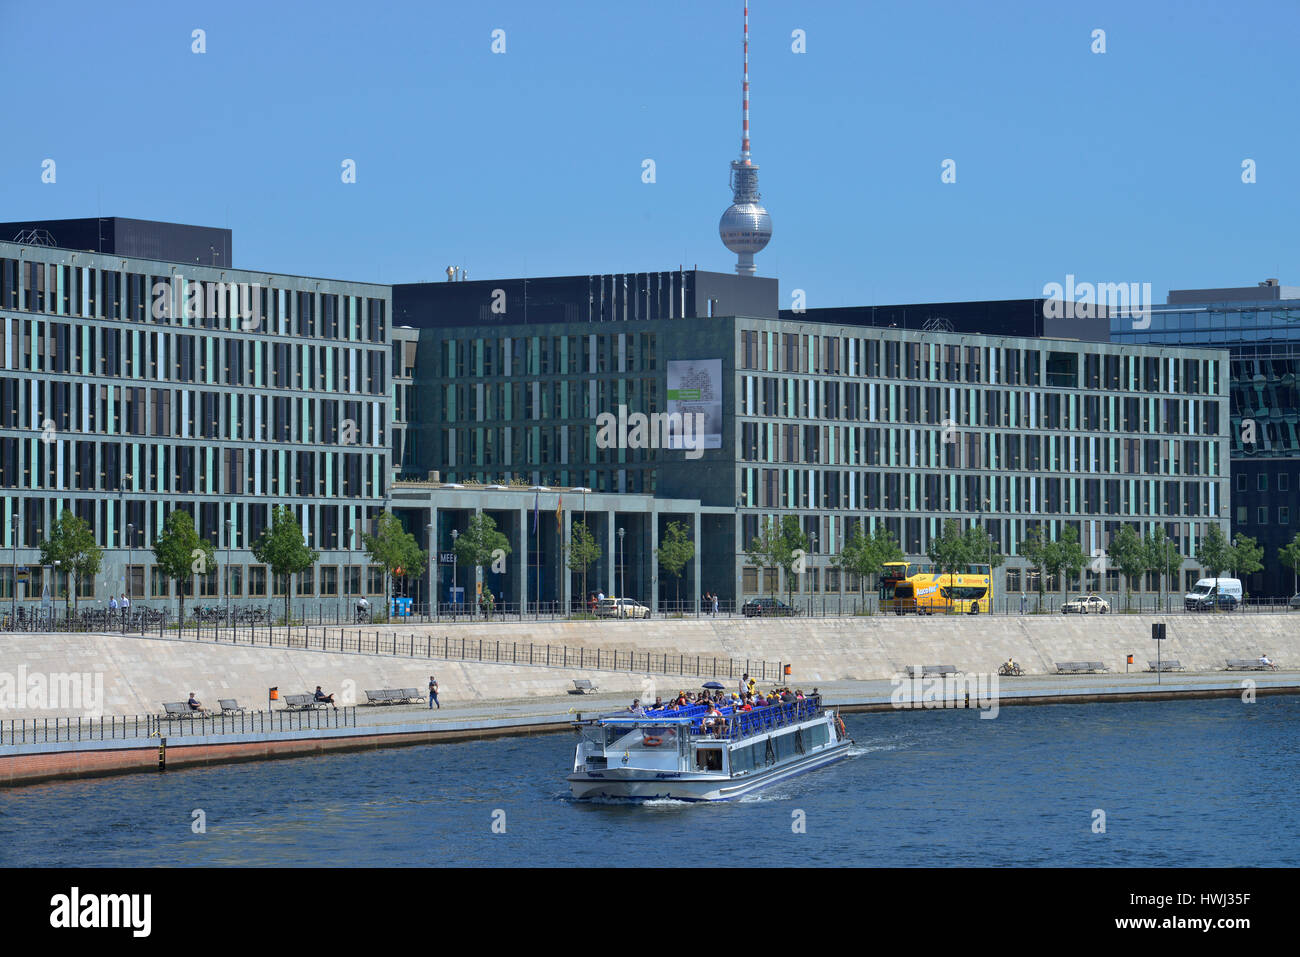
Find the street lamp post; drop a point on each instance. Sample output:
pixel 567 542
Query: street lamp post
pixel 455 534
pixel 433 566
pixel 622 578
pixel 812 547
pixel 13 593
pixel 225 572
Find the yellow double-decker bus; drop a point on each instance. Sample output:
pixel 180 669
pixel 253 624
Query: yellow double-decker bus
pixel 920 588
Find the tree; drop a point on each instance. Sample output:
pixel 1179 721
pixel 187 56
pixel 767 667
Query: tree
pixel 1162 556
pixel 1129 554
pixel 393 548
pixel 583 552
pixel 865 555
pixel 476 547
pixel 282 547
pixel 790 545
pixel 1247 555
pixel 1035 551
pixel 674 552
pixel 1215 554
pixel 949 552
pixel 181 554
pixel 981 550
pixel 762 547
pixel 72 545
pixel 1289 555
pixel 1065 556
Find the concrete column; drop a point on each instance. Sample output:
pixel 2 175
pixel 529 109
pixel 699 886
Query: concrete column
pixel 653 582
pixel 695 562
pixel 566 577
pixel 521 557
pixel 473 589
pixel 612 552
pixel 431 543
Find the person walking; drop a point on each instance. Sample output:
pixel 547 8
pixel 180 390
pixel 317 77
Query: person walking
pixel 112 607
pixel 715 604
pixel 433 693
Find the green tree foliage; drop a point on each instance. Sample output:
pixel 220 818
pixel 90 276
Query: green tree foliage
pixel 791 544
pixel 1247 556
pixel 949 551
pixel 391 548
pixel 762 547
pixel 475 548
pixel 1065 556
pixel 865 555
pixel 1035 551
pixel 1289 555
pixel 1128 553
pixel 181 554
pixel 72 545
pixel 282 548
pixel 583 552
pixel 1162 558
pixel 675 551
pixel 1215 553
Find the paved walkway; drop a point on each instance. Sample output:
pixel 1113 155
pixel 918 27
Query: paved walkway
pixel 837 693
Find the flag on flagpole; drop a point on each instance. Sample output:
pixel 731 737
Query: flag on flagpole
pixel 536 502
pixel 559 513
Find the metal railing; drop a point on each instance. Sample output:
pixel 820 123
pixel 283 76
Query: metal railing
pixel 117 727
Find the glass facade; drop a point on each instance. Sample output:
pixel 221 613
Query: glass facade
pixel 131 388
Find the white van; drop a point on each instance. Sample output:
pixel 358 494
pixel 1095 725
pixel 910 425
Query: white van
pixel 1204 598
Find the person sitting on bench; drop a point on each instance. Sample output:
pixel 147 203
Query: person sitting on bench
pixel 1265 661
pixel 194 703
pixel 325 698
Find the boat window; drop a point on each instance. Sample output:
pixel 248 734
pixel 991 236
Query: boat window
pixel 708 759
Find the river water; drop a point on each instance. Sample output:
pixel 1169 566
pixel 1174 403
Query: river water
pixel 1194 783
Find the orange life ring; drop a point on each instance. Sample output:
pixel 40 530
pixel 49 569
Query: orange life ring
pixel 650 741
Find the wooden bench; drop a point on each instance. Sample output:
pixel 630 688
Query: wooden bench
pixel 181 709
pixel 927 671
pixel 411 695
pixel 230 706
pixel 1249 664
pixel 583 686
pixel 1167 665
pixel 1080 667
pixel 303 702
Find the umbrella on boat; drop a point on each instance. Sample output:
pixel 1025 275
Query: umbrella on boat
pixel 713 685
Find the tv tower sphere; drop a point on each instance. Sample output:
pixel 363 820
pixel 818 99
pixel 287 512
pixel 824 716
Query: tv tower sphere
pixel 746 227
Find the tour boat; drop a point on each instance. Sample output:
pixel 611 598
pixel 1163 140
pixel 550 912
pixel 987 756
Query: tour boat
pixel 684 754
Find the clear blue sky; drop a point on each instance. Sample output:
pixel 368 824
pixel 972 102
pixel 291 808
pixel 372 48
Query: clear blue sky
pixel 1116 167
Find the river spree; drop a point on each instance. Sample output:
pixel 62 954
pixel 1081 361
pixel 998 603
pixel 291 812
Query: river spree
pixel 1197 783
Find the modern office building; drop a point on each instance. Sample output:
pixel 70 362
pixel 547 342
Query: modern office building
pixel 834 417
pixel 133 387
pixel 1260 327
pixel 130 387
pixel 133 238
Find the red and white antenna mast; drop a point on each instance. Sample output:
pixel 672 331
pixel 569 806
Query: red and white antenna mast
pixel 746 227
pixel 744 138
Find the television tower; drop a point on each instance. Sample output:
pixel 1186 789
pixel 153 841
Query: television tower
pixel 745 228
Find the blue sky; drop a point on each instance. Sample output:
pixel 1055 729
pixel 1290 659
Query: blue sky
pixel 1115 167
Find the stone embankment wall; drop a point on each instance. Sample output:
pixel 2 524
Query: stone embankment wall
pixel 138 674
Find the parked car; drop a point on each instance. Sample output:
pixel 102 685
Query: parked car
pixel 1210 593
pixel 766 608
pixel 621 608
pixel 1294 603
pixel 1092 605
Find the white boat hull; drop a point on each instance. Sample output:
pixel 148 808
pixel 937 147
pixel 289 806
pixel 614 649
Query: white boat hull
pixel 640 785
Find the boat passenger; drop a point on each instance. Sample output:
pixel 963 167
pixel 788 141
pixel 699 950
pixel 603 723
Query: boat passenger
pixel 635 707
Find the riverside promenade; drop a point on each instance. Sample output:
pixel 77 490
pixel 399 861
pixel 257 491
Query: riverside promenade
pixel 32 762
